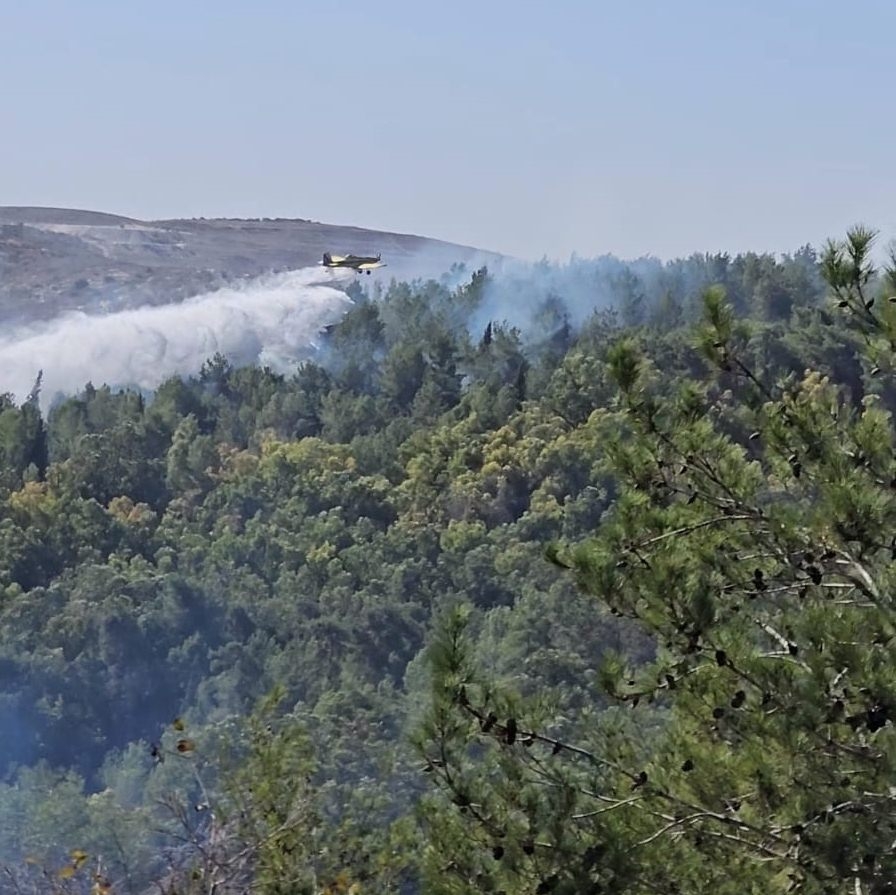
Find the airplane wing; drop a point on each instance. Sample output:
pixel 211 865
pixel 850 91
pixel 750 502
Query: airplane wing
pixel 370 265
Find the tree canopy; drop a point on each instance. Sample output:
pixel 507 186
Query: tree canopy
pixel 588 596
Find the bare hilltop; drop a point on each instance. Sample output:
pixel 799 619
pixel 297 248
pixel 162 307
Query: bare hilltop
pixel 54 260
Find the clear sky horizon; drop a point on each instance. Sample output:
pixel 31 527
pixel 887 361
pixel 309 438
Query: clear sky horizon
pixel 527 128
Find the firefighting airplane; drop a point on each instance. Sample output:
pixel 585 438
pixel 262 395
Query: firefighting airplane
pixel 358 263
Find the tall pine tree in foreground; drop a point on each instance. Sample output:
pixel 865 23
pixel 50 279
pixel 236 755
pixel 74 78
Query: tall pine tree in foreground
pixel 754 539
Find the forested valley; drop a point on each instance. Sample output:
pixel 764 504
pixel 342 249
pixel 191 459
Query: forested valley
pixel 508 590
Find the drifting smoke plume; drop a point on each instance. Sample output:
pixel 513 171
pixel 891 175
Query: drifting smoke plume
pixel 271 321
pixel 518 291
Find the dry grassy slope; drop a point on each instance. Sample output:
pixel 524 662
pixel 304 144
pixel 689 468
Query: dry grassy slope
pixel 58 259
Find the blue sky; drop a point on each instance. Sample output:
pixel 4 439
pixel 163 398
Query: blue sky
pixel 531 128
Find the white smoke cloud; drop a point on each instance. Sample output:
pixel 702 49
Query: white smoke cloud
pixel 271 320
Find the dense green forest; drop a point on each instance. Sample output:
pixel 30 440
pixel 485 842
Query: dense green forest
pixel 572 583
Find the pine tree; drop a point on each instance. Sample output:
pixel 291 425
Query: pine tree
pixel 752 539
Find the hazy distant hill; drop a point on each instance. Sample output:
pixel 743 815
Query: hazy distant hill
pixel 59 259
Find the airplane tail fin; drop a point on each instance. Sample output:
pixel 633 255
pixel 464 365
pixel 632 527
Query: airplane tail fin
pixel 327 259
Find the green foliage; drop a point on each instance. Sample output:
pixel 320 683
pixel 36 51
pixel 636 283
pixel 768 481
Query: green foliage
pixel 183 554
pixel 750 541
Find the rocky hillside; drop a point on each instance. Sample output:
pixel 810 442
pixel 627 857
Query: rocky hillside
pixel 54 260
